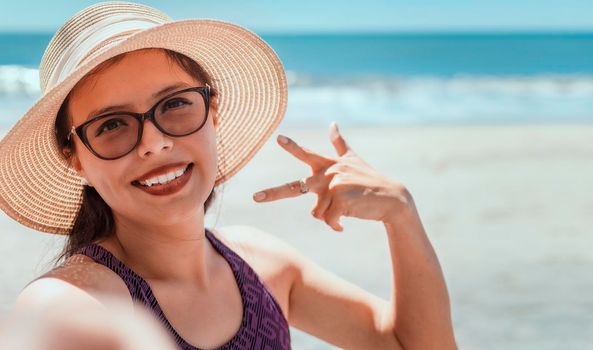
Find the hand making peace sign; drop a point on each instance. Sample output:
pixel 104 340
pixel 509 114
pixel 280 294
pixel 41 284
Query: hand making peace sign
pixel 345 186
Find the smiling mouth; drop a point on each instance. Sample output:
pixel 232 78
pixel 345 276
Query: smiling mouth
pixel 168 187
pixel 162 180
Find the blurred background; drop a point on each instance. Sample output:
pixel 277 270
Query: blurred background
pixel 483 110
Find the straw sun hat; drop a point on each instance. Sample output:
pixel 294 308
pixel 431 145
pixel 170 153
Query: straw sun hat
pixel 39 190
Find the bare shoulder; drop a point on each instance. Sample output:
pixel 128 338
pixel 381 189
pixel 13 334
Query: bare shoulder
pixel 78 277
pixel 259 247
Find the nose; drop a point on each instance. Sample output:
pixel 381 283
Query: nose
pixel 153 141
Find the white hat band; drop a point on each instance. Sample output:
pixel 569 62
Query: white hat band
pixel 93 35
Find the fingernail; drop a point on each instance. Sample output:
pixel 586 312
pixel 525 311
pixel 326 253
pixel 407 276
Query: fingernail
pixel 283 139
pixel 259 196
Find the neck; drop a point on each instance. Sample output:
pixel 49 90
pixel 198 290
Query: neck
pixel 178 252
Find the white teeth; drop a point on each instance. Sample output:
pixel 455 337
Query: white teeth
pixel 163 179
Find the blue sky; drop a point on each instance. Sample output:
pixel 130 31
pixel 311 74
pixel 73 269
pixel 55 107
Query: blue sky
pixel 268 16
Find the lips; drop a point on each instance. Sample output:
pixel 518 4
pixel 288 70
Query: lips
pixel 170 187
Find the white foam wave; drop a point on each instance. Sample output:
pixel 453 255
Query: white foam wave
pixel 417 99
pixel 379 100
pixel 19 81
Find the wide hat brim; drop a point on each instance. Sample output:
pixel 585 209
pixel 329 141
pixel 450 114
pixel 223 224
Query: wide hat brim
pixel 41 191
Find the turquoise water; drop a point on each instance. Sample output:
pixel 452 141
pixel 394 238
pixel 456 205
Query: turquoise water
pixel 436 54
pixel 343 55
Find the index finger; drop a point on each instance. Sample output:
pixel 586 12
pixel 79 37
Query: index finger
pixel 288 190
pixel 306 155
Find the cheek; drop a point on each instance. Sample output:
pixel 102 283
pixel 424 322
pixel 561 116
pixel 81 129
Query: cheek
pixel 105 176
pixel 213 152
pixel 110 182
pixel 203 145
pixel 205 156
pixel 203 153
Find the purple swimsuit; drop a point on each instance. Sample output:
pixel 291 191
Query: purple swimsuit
pixel 263 327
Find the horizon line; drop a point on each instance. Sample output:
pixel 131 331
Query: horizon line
pixel 373 31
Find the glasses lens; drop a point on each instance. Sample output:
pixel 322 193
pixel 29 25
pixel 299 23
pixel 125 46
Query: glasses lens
pixel 113 135
pixel 182 114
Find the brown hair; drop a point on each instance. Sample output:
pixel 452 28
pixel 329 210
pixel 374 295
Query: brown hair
pixel 94 220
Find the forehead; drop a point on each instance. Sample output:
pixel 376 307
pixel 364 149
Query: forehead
pixel 142 65
pixel 131 79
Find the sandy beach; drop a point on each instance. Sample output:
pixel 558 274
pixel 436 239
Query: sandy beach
pixel 507 208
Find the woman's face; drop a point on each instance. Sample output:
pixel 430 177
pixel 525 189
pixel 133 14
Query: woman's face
pixel 132 83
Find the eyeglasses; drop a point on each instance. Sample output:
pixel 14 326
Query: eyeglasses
pixel 114 135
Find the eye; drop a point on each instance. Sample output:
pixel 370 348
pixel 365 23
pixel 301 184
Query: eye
pixel 110 125
pixel 175 103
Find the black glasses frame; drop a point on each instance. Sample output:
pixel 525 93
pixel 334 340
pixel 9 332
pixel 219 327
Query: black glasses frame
pixel 141 117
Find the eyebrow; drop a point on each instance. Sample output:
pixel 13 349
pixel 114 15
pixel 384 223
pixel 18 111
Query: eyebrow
pixel 123 107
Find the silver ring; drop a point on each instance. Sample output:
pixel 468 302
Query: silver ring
pixel 303 186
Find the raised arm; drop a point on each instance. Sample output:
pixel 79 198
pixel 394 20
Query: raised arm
pixel 419 311
pixel 418 314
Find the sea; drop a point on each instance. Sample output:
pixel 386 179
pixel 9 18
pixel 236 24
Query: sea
pixel 391 79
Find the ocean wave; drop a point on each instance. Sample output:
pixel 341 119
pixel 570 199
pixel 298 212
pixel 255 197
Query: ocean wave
pixel 24 81
pixel 19 81
pixel 380 100
pixel 545 84
pixel 430 99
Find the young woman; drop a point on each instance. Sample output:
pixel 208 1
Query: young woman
pixel 151 115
